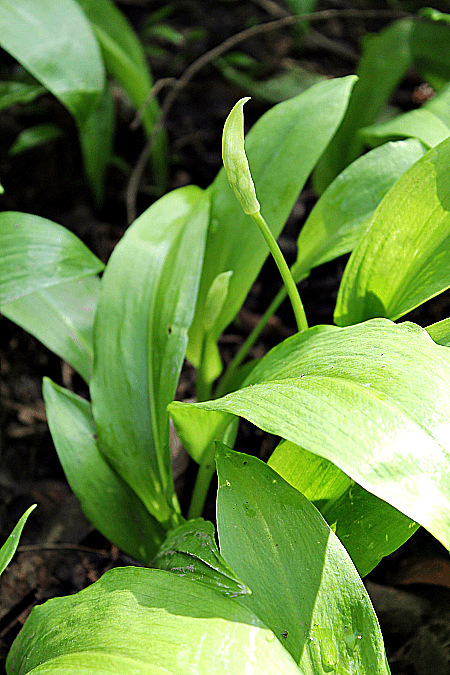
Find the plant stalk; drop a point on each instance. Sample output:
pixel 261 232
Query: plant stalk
pixel 285 272
pixel 203 384
pixel 204 476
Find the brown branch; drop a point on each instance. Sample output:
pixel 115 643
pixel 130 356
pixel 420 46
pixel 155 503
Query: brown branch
pixel 37 548
pixel 154 91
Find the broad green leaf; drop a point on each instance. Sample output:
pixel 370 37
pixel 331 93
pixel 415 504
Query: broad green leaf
pixel 371 398
pixel 125 59
pixel 143 620
pixel 282 149
pixel 404 256
pixel 440 332
pixel 34 136
pixel 109 503
pixel 62 318
pixel 12 93
pixel 386 58
pixel 96 139
pixel 55 43
pixel 10 546
pixel 35 253
pixel 146 305
pixel 421 124
pixel 304 585
pixel 368 527
pixel 190 551
pixel 342 213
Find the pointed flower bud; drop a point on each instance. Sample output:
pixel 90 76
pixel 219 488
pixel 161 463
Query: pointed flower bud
pixel 235 160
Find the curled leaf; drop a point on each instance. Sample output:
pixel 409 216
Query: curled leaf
pixel 215 299
pixel 191 551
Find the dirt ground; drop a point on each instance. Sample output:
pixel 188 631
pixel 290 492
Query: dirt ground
pixel 60 553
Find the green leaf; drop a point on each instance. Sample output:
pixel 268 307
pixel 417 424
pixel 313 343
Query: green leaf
pixel 36 253
pixel 440 105
pixel 96 139
pixel 403 258
pixel 10 546
pixel 123 53
pixel 95 663
pixel 146 305
pixel 368 527
pixel 12 93
pixel 197 429
pixel 34 136
pixel 55 43
pixel 107 501
pixel 434 14
pixel 430 47
pixel 342 213
pixel 292 81
pixel 440 332
pixel 125 59
pixel 165 33
pixel 190 550
pixel 430 123
pixel 421 124
pixel 304 585
pixel 216 298
pixel 386 58
pixel 371 398
pixel 148 622
pixel 62 318
pixel 282 148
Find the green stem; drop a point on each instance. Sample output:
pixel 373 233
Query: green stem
pixel 289 282
pixel 203 385
pixel 204 477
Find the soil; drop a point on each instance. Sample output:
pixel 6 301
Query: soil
pixel 60 553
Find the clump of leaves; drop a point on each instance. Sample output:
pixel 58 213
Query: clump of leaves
pixel 361 407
